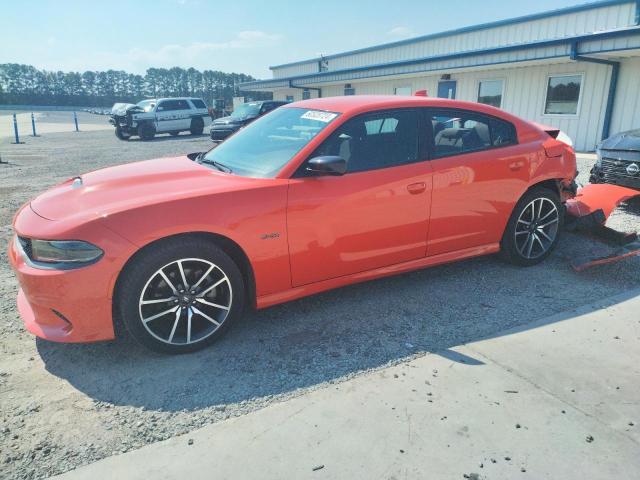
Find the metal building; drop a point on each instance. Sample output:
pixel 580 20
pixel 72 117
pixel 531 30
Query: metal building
pixel 576 68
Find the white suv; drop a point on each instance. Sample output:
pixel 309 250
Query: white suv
pixel 162 115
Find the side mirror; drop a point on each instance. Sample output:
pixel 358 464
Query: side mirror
pixel 327 165
pixel 159 109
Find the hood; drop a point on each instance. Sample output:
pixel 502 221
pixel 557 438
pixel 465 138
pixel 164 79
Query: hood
pixel 623 141
pixel 230 120
pixel 132 185
pixel 123 108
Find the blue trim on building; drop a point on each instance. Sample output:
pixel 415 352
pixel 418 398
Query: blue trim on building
pixel 613 85
pixel 474 28
pixel 326 76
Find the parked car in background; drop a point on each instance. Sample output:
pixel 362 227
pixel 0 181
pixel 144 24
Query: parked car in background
pixel 163 115
pixel 316 195
pixel 618 160
pixel 241 116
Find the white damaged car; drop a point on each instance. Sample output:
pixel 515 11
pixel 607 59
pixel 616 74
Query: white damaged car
pixel 163 115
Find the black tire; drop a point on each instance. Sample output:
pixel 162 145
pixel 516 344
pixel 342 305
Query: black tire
pixel 121 135
pixel 174 134
pixel 528 245
pixel 197 126
pixel 141 282
pixel 146 131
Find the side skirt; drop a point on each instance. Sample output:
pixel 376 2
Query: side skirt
pixel 313 288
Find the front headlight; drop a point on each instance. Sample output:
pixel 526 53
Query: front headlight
pixel 59 253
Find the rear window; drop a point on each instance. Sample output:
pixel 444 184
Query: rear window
pixel 198 103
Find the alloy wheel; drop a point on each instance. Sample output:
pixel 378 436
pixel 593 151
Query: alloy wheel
pixel 537 228
pixel 185 301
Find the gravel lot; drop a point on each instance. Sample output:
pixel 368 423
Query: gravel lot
pixel 67 405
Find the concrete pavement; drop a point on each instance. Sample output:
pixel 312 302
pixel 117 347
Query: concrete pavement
pixel 558 399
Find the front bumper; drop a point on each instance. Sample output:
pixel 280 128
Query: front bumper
pixel 219 133
pixel 67 305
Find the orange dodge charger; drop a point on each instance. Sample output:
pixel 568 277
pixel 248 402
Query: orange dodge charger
pixel 315 195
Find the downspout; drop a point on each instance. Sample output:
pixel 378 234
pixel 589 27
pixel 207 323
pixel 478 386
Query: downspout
pixel 319 90
pixel 613 84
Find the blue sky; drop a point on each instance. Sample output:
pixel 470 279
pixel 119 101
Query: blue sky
pixel 245 36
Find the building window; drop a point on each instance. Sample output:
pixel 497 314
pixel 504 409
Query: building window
pixel 306 94
pixel 402 91
pixel 563 94
pixel 349 90
pixel 490 92
pixel 289 98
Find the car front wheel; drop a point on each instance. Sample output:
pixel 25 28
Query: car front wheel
pixel 180 296
pixel 533 230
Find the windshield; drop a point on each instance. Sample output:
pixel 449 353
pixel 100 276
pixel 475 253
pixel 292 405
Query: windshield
pixel 147 105
pixel 263 147
pixel 246 110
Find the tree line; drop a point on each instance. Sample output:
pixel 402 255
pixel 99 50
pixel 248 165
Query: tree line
pixel 27 85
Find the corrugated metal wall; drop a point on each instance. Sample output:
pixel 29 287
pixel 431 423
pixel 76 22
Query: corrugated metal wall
pixel 560 26
pixel 626 110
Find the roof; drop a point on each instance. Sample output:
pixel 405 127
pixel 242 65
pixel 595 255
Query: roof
pixel 472 28
pixel 415 65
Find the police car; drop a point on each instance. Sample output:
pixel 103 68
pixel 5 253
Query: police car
pixel 163 115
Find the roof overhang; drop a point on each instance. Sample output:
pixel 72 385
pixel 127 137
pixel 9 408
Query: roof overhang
pixel 604 42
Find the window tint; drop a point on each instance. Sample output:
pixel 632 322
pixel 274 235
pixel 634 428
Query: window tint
pixel 198 103
pixel 563 94
pixel 182 105
pixel 459 131
pixel 373 141
pixel 167 105
pixel 490 92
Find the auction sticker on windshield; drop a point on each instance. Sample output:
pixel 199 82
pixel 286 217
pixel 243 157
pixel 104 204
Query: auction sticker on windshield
pixel 319 116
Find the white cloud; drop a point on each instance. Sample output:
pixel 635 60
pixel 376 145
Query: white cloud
pixel 401 32
pixel 200 55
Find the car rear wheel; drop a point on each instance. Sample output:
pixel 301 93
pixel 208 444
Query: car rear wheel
pixel 180 296
pixel 533 230
pixel 146 131
pixel 197 126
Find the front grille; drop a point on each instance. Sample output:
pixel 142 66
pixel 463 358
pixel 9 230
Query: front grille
pixel 25 243
pixel 614 168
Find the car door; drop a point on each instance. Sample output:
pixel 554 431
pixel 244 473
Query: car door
pixel 479 173
pixel 376 214
pixel 166 119
pixel 183 115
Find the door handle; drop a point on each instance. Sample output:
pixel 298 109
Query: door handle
pixel 416 188
pixel 516 165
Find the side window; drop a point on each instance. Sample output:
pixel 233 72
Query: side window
pixel 459 131
pixel 167 106
pixel 198 103
pixel 182 105
pixel 373 141
pixel 267 107
pixel 502 133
